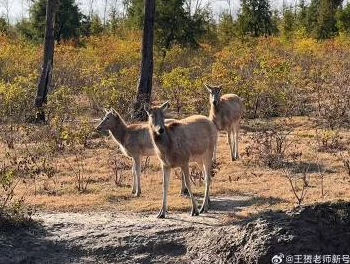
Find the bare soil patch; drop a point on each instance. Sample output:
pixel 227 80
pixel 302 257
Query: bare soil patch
pixel 115 237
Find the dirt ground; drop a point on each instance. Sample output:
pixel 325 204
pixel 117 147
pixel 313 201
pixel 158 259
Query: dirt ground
pixel 107 237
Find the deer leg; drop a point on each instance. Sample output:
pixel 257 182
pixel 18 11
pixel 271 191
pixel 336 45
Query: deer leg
pixel 215 148
pixel 138 175
pixel 133 171
pixel 207 172
pixel 184 190
pixel 229 139
pixel 186 172
pixel 236 131
pixel 166 176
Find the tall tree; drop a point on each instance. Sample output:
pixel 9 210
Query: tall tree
pixel 343 19
pixel 255 18
pixel 174 22
pixel 144 88
pixel 67 19
pixel 7 4
pixel 288 22
pixel 326 23
pixel 226 29
pixel 3 26
pixel 46 70
pixel 320 18
pixel 302 13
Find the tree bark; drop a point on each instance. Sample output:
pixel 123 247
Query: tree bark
pixel 144 88
pixel 46 70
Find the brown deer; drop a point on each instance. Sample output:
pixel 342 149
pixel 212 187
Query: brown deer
pixel 134 141
pixel 181 142
pixel 226 112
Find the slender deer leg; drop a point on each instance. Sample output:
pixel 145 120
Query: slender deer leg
pixel 233 142
pixel 138 175
pixel 236 140
pixel 186 172
pixel 184 190
pixel 215 148
pixel 207 172
pixel 229 139
pixel 166 175
pixel 133 170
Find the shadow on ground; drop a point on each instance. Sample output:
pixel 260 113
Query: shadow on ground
pixel 30 244
pixel 321 229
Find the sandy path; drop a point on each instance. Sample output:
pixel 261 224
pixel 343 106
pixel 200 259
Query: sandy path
pixel 105 237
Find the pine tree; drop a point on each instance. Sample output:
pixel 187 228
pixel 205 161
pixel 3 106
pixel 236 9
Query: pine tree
pixel 255 18
pixel 67 19
pixel 343 19
pixel 3 26
pixel 288 23
pixel 302 13
pixel 173 23
pixel 320 18
pixel 311 17
pixel 226 28
pixel 326 23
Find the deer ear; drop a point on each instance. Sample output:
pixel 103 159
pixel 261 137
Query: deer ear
pixel 165 106
pixel 220 87
pixel 208 88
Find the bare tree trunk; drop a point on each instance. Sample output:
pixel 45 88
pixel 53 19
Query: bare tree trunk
pixel 145 82
pixel 46 70
pixel 105 14
pixel 7 4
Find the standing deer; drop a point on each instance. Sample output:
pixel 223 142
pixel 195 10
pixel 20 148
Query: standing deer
pixel 177 144
pixel 226 112
pixel 134 141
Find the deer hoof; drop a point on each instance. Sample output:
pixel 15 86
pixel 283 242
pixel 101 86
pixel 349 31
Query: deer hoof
pixel 203 209
pixel 161 214
pixel 194 212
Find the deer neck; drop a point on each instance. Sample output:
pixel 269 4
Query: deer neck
pixel 119 132
pixel 214 113
pixel 162 143
pixel 213 109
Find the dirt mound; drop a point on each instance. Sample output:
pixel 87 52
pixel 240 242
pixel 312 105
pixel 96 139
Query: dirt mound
pixel 318 229
pixel 115 237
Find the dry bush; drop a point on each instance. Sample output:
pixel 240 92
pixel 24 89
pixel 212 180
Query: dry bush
pixel 196 175
pixel 77 167
pixel 332 89
pixel 269 147
pixel 9 135
pixel 119 165
pixel 146 164
pixel 13 171
pixel 8 183
pixel 298 182
pixel 328 140
pixel 344 156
